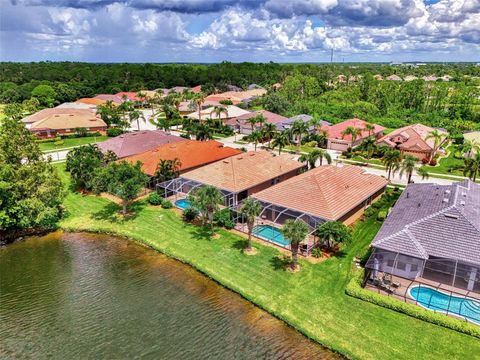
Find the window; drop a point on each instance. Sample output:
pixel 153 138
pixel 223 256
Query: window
pixel 390 262
pixel 401 265
pixel 413 267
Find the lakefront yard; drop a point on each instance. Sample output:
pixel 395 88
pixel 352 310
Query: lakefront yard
pixel 312 300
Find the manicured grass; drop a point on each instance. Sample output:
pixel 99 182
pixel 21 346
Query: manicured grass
pixel 49 146
pixel 445 163
pixel 312 300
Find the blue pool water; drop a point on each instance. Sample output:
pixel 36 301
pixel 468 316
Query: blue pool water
pixel 436 300
pixel 182 204
pixel 270 233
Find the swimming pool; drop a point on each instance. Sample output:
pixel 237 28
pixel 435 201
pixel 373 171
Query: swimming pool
pixel 182 204
pixel 432 299
pixel 270 233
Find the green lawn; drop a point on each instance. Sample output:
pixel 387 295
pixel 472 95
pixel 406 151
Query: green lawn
pixel 66 143
pixel 445 163
pixel 312 300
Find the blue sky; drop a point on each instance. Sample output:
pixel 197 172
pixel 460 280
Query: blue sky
pixel 239 30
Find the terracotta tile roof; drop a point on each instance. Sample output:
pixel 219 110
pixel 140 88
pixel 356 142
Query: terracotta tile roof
pixel 335 131
pixel 233 112
pixel 244 171
pixel 68 121
pixel 132 96
pixel 197 89
pixel 137 142
pixel 190 153
pixel 91 101
pixel 412 137
pixel 434 220
pixel 42 114
pixel 109 97
pixel 327 192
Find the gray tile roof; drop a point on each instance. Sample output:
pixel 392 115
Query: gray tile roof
pixel 435 220
pixel 302 117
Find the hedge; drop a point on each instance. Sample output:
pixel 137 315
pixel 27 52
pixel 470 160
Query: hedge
pixel 354 288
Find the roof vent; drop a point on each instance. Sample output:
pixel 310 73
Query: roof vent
pixel 408 195
pixel 464 194
pixel 451 216
pixel 462 202
pixel 445 200
pixel 447 191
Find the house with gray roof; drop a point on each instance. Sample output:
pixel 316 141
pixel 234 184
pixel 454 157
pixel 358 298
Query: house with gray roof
pixel 287 124
pixel 433 233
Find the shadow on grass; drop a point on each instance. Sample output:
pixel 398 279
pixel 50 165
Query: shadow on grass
pixel 240 244
pixel 280 262
pixel 202 233
pixel 112 212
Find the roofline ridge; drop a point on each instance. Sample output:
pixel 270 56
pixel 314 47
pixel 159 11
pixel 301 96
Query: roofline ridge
pixel 322 194
pixel 417 244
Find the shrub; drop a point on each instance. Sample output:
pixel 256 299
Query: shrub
pixel 354 288
pixel 166 204
pixel 190 214
pixel 317 252
pixel 382 215
pixel 154 199
pixel 370 211
pixel 223 218
pixel 185 136
pixel 81 132
pixel 226 102
pixel 377 204
pixel 112 132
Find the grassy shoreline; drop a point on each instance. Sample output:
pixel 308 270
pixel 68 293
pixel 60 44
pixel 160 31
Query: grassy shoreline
pixel 312 301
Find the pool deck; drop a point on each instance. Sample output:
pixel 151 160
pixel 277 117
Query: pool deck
pixel 401 293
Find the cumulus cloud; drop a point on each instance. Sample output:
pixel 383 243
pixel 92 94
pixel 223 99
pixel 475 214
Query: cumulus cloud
pixel 167 30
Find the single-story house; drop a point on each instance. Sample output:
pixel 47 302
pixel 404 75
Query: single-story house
pixel 131 96
pixel 136 142
pixel 410 78
pixel 393 78
pixel 178 89
pixel 432 235
pixel 65 123
pixel 238 176
pixel 205 114
pixel 76 105
pixel 326 193
pixel 196 89
pixel 412 140
pixel 110 97
pixel 340 142
pixel 287 124
pixel 44 113
pixel 191 154
pixel 91 101
pixel 240 124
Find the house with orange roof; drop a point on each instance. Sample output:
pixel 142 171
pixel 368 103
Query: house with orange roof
pixel 110 97
pixel 131 96
pixel 238 176
pixel 191 154
pixel 412 139
pixel 338 140
pixel 91 101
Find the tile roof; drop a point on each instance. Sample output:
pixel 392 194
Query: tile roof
pixel 302 117
pixel 91 101
pixel 109 97
pixel 411 137
pixel 130 95
pixel 42 114
pixel 435 220
pixel 233 112
pixel 197 89
pixel 76 105
pixel 244 171
pixel 335 131
pixel 190 153
pixel 327 192
pixel 68 121
pixel 138 141
pixel 271 117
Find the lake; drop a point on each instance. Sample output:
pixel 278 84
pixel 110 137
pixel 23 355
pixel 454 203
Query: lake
pixel 89 296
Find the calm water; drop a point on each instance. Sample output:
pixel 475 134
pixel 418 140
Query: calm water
pixel 83 296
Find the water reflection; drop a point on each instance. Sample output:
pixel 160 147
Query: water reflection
pixel 94 296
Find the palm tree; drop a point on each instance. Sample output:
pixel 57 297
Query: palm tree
pixel 280 140
pixel 207 200
pixel 261 120
pixel 370 128
pixel 299 128
pixel 256 136
pixel 136 115
pixel 295 231
pixel 252 121
pixel 468 147
pixel 369 145
pixel 269 130
pixel 322 138
pixel 198 99
pixel 353 131
pixel 168 169
pixel 313 156
pixel 169 110
pixel 250 209
pixel 163 124
pixel 407 166
pixel 391 160
pixel 332 233
pixel 203 132
pixel 472 167
pixel 218 111
pixel 438 140
pixel 421 171
pixel 315 123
